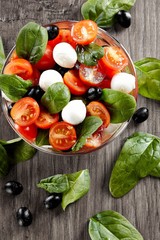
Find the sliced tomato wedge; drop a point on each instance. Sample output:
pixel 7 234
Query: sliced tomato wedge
pixel 106 83
pixel 63 36
pixel 94 141
pixel 73 82
pixel 62 136
pixel 20 67
pixel 46 119
pixel 96 108
pixel 84 32
pixel 25 111
pixel 29 132
pixel 35 76
pixel 91 75
pixel 113 61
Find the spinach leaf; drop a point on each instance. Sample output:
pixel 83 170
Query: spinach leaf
pixel 13 86
pixel 120 105
pixel 4 162
pixel 2 55
pixel 56 97
pixel 89 54
pixel 103 12
pixel 31 42
pixel 138 157
pixel 79 185
pixel 111 225
pixel 148 72
pixel 55 184
pixel 88 127
pixel 42 137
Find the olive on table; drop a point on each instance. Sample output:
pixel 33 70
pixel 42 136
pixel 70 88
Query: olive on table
pixel 53 200
pixel 13 187
pixel 123 18
pixel 53 32
pixel 94 93
pixel 140 115
pixel 24 216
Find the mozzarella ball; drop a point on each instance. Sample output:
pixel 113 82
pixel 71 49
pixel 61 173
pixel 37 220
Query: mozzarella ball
pixel 49 77
pixel 123 82
pixel 64 55
pixel 74 112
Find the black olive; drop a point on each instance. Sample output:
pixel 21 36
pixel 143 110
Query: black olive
pixel 93 93
pixel 24 216
pixel 123 18
pixel 35 92
pixel 140 115
pixel 53 200
pixel 53 32
pixel 60 69
pixel 13 187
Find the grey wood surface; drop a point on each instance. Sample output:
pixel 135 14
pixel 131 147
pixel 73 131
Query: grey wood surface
pixel 141 206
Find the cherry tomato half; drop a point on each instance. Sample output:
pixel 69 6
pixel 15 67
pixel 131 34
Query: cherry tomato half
pixel 96 108
pixel 25 111
pixel 35 76
pixel 63 36
pixel 62 136
pixel 20 67
pixel 113 61
pixel 84 32
pixel 94 141
pixel 90 75
pixel 46 119
pixel 106 83
pixel 29 132
pixel 46 61
pixel 73 82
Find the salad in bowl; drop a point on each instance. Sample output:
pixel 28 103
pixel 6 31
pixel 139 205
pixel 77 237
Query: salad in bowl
pixel 68 87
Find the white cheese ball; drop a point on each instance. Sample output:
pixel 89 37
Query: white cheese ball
pixel 74 112
pixel 123 82
pixel 64 55
pixel 49 77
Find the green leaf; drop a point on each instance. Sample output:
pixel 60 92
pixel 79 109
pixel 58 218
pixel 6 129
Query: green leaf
pixel 138 157
pixel 55 184
pixel 2 55
pixel 13 86
pixel 148 72
pixel 120 105
pixel 103 12
pixel 42 137
pixel 79 185
pixel 156 171
pixel 4 162
pixel 111 225
pixel 31 42
pixel 89 54
pixel 88 127
pixel 56 97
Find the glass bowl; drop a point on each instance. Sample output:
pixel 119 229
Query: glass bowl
pixel 112 131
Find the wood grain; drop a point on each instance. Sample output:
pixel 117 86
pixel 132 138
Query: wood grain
pixel 142 205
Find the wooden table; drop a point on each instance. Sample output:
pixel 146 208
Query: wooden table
pixel 141 206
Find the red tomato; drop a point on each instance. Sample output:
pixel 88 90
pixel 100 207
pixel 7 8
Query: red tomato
pixel 62 136
pixel 46 119
pixel 96 108
pixel 84 32
pixel 94 141
pixel 73 82
pixel 106 83
pixel 20 67
pixel 35 76
pixel 13 55
pixel 29 132
pixel 113 61
pixel 63 36
pixel 90 75
pixel 25 111
pixel 47 61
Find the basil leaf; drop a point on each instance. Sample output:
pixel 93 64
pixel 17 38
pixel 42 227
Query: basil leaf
pixel 111 225
pixel 42 137
pixel 55 184
pixel 88 127
pixel 79 185
pixel 2 55
pixel 138 157
pixel 31 42
pixel 148 72
pixel 103 12
pixel 56 97
pixel 13 86
pixel 4 162
pixel 156 171
pixel 89 54
pixel 120 105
